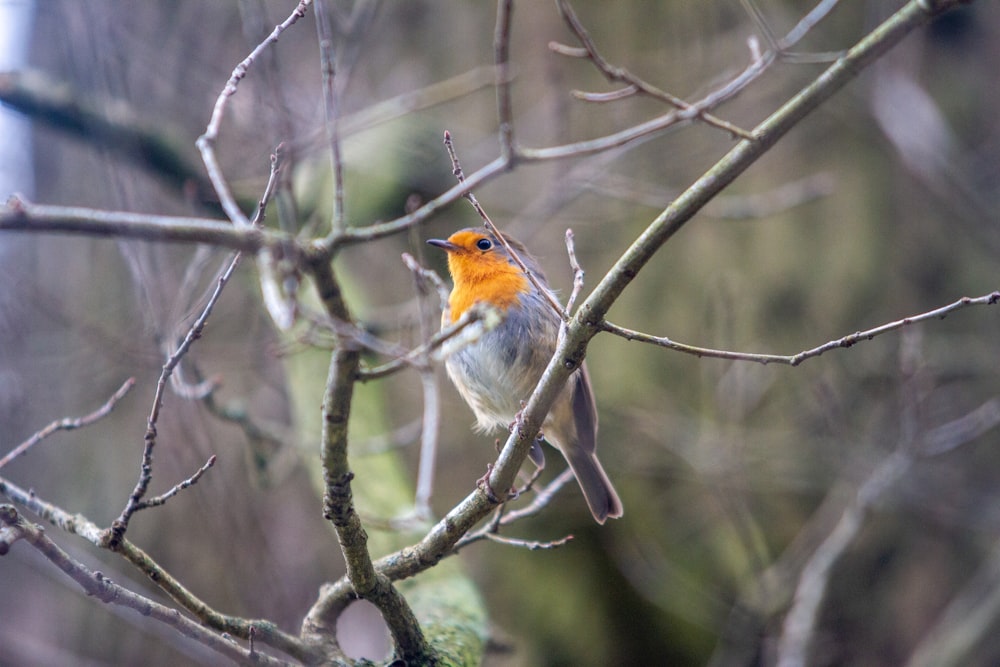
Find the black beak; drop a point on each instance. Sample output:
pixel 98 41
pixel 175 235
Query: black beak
pixel 447 246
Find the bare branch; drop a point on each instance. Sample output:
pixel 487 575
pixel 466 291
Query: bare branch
pixel 69 423
pixel 156 501
pixel 206 142
pixel 577 271
pixel 795 359
pixel 97 585
pixel 120 525
pixel 620 74
pixel 426 281
pixel 331 115
pixel 22 215
pixel 501 49
pixel 506 516
pixel 587 321
pixel 530 545
pixel 77 524
pixel 801 619
pixel 612 96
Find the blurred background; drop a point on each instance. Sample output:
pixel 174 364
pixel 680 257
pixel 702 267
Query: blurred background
pixel 881 204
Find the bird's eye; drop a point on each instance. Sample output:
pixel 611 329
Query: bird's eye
pixel 484 244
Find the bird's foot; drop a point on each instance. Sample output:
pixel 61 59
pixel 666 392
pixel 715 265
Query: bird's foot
pixel 487 488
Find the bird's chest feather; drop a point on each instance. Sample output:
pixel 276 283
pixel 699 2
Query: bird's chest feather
pixel 499 371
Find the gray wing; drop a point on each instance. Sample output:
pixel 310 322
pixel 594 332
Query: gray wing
pixel 584 411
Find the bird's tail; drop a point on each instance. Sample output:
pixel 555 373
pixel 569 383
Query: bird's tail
pixel 601 496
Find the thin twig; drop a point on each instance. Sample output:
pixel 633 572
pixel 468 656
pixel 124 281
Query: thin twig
pixel 424 275
pixel 77 524
pixel 331 114
pixel 488 223
pixel 206 142
pixel 501 50
pixel 759 63
pixel 279 278
pixel 795 359
pixel 620 74
pixel 426 281
pixel 757 16
pixel 531 545
pixel 156 501
pixel 278 158
pixel 417 356
pixel 69 423
pixel 578 272
pixel 505 516
pixel 807 23
pixel 602 98
pixel 22 215
pixel 97 585
pixel 120 525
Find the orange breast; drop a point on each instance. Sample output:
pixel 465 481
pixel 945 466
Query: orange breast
pixel 496 283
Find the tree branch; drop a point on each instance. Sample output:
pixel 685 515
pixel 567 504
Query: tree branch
pixel 206 142
pixel 587 321
pixel 97 585
pixel 22 215
pixel 795 359
pixel 69 423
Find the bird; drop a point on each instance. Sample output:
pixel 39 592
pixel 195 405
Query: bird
pixel 496 374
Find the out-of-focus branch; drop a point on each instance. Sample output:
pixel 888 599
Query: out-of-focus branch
pixel 750 206
pixel 633 83
pixel 113 126
pixel 849 340
pixel 501 57
pixel 968 620
pixel 206 142
pixel 24 216
pixel 135 500
pixel 801 619
pixel 69 423
pixel 331 114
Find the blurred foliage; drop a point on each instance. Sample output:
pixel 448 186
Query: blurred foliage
pixel 731 473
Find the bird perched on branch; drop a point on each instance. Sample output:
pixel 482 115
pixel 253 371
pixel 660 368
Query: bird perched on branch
pixel 497 373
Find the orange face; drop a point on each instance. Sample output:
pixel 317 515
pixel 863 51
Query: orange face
pixel 482 271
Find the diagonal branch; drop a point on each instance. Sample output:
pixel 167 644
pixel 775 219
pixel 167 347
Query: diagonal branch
pixel 587 321
pixel 135 500
pixel 633 83
pixel 97 585
pixel 77 524
pixel 206 142
pixel 69 423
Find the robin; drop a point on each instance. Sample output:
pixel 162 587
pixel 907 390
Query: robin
pixel 497 373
